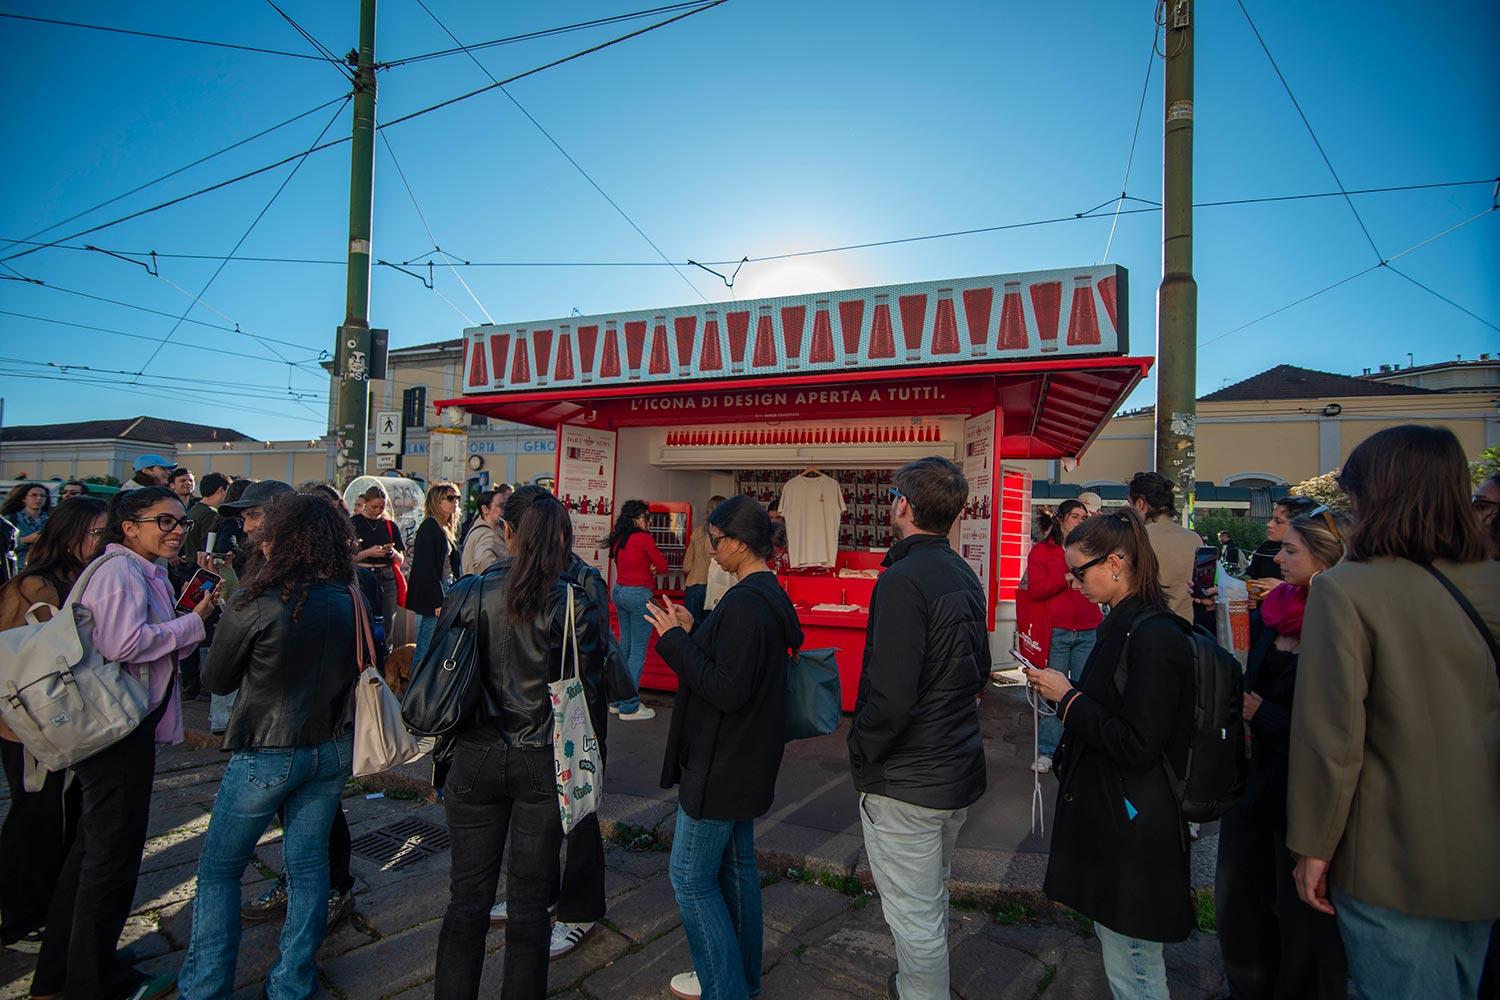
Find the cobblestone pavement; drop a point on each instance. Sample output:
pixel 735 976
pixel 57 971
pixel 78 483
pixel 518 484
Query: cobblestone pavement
pixel 823 942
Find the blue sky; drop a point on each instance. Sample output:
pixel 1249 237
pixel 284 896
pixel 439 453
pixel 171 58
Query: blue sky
pixel 757 128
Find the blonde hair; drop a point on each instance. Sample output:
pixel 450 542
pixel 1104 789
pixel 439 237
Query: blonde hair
pixel 435 493
pixel 1325 534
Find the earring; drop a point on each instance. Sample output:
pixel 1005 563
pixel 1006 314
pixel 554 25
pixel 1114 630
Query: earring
pixel 1117 577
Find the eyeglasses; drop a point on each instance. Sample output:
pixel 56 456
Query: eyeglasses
pixel 1078 571
pixel 896 494
pixel 1327 513
pixel 448 498
pixel 166 522
pixel 96 532
pixel 714 540
pixel 1484 504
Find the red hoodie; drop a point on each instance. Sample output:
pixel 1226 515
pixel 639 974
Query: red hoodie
pixel 1047 581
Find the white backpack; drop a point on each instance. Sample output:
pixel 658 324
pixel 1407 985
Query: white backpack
pixel 62 699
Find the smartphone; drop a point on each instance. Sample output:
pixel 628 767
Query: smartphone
pixel 1204 562
pixel 199 587
pixel 1020 658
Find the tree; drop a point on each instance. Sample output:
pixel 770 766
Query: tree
pixel 1324 490
pixel 1487 466
pixel 1243 531
pixel 101 480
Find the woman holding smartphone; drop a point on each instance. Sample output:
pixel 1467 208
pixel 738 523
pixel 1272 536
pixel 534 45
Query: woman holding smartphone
pixel 434 562
pixel 131 602
pixel 380 550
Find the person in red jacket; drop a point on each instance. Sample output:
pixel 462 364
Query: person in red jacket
pixel 1074 617
pixel 637 563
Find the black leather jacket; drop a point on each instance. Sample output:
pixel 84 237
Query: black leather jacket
pixel 295 678
pixel 520 658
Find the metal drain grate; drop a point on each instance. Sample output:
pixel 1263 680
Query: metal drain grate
pixel 401 844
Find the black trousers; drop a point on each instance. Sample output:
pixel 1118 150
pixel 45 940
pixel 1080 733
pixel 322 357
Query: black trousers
pixel 34 842
pixel 97 885
pixel 1274 945
pixel 580 898
pixel 340 849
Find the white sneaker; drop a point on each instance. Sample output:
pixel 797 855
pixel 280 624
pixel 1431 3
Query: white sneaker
pixel 613 710
pixel 685 985
pixel 639 715
pixel 501 913
pixel 1042 764
pixel 565 938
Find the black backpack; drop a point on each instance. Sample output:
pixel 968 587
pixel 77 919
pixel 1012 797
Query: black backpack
pixel 1217 760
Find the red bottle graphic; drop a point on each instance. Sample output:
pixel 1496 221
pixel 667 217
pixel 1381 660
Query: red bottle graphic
pixel 541 340
pixel 821 351
pixel 851 322
pixel 520 366
pixel 588 348
pixel 712 359
pixel 479 375
pixel 765 340
pixel 1083 318
pixel 977 305
pixel 609 364
pixel 1107 293
pixel 1013 319
pixel 945 326
pixel 793 319
pixel 499 354
pixel 1046 303
pixel 739 335
pixel 563 370
pixel 635 346
pixel 660 363
pixel 686 329
pixel 913 320
pixel 882 339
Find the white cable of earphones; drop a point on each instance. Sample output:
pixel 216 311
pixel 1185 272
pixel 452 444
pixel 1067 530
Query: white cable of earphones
pixel 1039 707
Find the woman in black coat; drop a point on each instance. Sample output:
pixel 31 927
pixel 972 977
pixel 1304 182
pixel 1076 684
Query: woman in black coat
pixel 724 750
pixel 1119 843
pixel 434 562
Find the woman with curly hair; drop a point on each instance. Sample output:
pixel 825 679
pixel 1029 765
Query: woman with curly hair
pixel 288 644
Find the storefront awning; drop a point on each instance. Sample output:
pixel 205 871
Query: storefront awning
pixel 1051 409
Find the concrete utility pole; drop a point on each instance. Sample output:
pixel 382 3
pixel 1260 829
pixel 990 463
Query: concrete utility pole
pixel 1177 299
pixel 352 355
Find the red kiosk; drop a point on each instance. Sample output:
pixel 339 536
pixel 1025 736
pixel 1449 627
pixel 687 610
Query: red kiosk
pixel 674 405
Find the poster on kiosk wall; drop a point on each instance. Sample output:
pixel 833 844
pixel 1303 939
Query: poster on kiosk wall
pixel 586 486
pixel 976 530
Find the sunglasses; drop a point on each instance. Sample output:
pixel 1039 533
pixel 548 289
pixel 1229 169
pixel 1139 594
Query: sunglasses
pixel 896 494
pixel 1483 504
pixel 166 522
pixel 1078 571
pixel 1327 514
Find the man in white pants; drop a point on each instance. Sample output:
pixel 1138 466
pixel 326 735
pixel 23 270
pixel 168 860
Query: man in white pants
pixel 914 744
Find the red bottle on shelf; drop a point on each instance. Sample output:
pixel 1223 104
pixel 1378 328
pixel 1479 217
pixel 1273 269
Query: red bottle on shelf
pixel 793 319
pixel 977 305
pixel 1046 303
pixel 635 347
pixel 609 364
pixel 588 349
pixel 739 336
pixel 882 338
pixel 541 341
pixel 499 354
pixel 1107 294
pixel 945 325
pixel 1012 319
pixel 1083 318
pixel 851 322
pixel 765 340
pixel 563 370
pixel 821 351
pixel 913 324
pixel 713 358
pixel 660 363
pixel 686 330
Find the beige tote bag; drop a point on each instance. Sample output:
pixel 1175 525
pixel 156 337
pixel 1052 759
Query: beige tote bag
pixel 381 739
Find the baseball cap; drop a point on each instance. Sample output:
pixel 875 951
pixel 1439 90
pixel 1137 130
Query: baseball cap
pixel 258 495
pixel 1091 501
pixel 147 461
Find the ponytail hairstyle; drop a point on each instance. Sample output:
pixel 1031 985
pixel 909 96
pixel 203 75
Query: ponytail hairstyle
pixel 128 504
pixel 541 548
pixel 1155 491
pixel 1124 532
pixel 1054 531
pixel 625 525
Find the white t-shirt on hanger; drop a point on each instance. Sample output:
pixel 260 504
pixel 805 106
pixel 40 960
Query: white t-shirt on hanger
pixel 812 506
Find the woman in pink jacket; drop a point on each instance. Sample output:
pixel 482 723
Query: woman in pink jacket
pixel 1074 617
pixel 131 603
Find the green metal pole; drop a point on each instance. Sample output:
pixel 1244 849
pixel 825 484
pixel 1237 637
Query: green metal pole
pixel 1177 299
pixel 353 354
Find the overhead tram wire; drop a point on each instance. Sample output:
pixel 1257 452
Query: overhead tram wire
pixel 1440 295
pixel 544 33
pixel 229 388
pixel 1134 138
pixel 1301 114
pixel 125 387
pixel 322 49
pixel 141 336
pixel 566 155
pixel 169 38
pixel 404 118
pixel 241 242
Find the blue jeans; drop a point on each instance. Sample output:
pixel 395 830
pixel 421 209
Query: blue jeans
pixel 1136 969
pixel 1395 954
pixel 635 630
pixel 306 781
pixel 426 625
pixel 1070 651
pixel 717 884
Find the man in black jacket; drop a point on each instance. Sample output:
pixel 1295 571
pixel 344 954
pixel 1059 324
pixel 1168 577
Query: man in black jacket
pixel 914 744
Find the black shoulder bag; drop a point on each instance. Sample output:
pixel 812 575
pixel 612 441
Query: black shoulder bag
pixel 445 686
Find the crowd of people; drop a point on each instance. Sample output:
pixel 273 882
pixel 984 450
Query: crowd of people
pixel 1370 699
